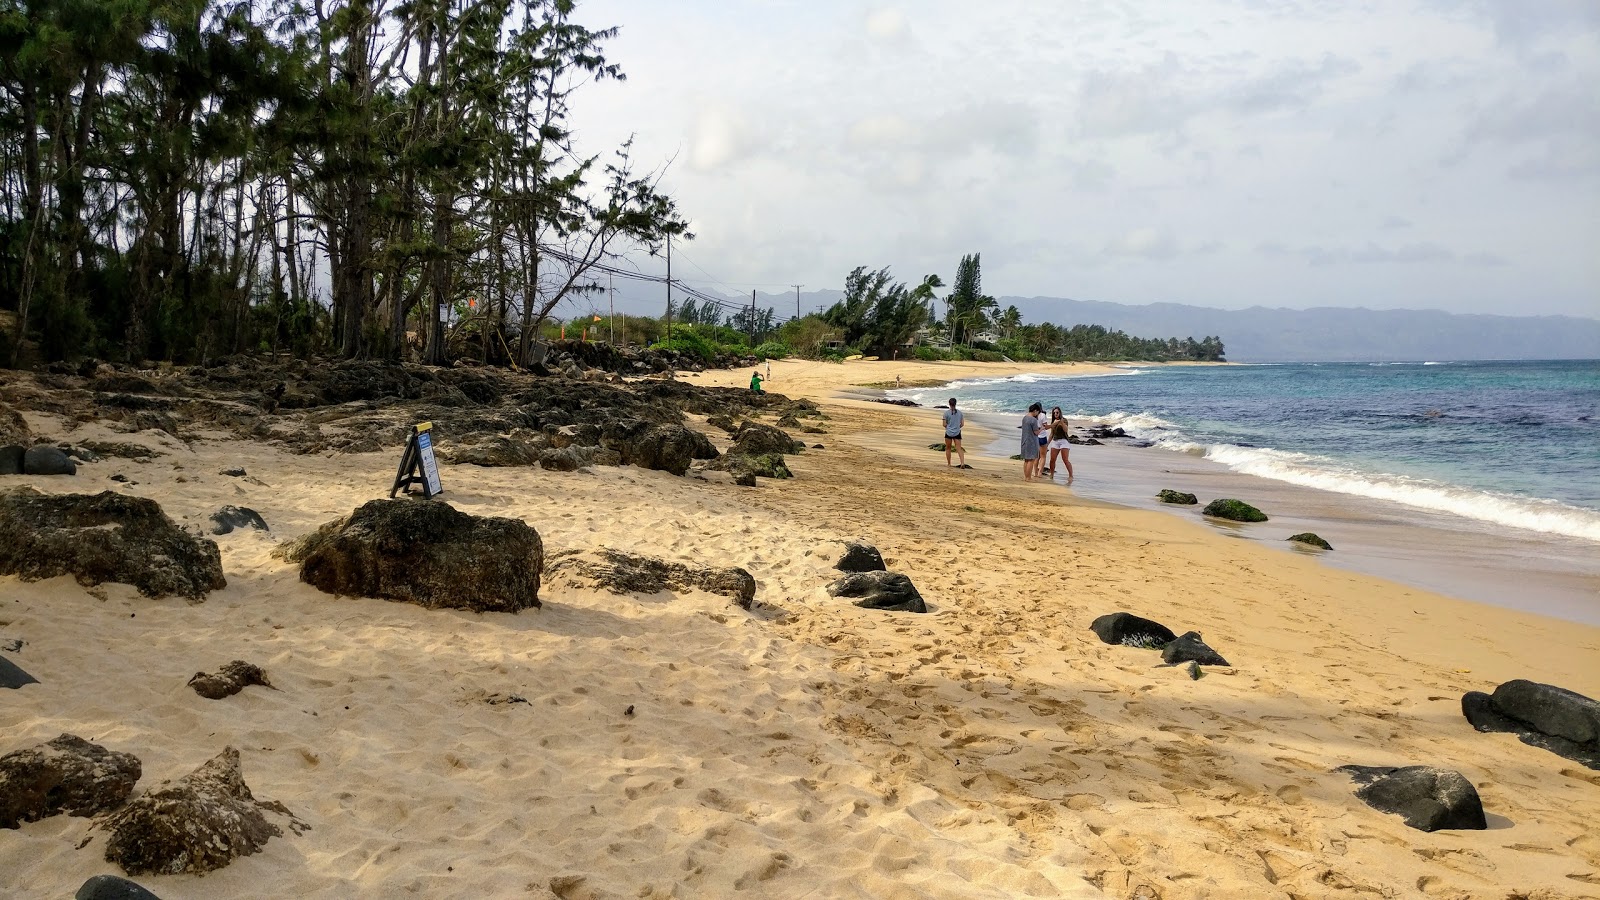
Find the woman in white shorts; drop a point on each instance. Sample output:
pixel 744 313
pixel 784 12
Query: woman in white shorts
pixel 1059 445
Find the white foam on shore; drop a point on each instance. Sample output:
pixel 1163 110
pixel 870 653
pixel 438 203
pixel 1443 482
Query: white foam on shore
pixel 1320 472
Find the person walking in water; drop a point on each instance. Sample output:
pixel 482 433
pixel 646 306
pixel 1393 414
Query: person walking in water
pixel 1059 443
pixel 953 420
pixel 1030 442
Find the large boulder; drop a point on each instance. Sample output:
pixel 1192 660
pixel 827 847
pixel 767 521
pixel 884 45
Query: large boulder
pixel 859 557
pixel 1190 648
pixel 104 537
pixel 66 775
pixel 754 439
pixel 880 590
pixel 665 447
pixel 1429 799
pixel 766 465
pixel 229 518
pixel 1541 715
pixel 11 460
pixel 47 461
pixel 1130 630
pixel 425 552
pixel 1234 510
pixel 198 824
pixel 632 573
pixel 1177 497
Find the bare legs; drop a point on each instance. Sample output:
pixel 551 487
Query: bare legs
pixel 954 444
pixel 1066 457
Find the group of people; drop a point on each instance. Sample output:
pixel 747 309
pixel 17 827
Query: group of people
pixel 1039 438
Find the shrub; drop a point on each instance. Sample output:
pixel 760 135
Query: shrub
pixel 773 350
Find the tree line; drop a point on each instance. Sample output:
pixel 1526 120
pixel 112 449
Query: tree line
pixel 182 179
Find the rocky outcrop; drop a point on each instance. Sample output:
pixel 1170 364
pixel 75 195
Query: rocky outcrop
pixel 1130 630
pixel 229 518
pixel 755 439
pixel 1189 648
pixel 1429 799
pixel 110 887
pixel 11 460
pixel 631 573
pixel 47 461
pixel 1177 497
pixel 104 537
pixel 425 552
pixel 663 447
pixel 1234 511
pixel 67 775
pixel 497 451
pixel 1310 540
pixel 880 590
pixel 229 680
pixel 1541 715
pixel 860 557
pixel 198 824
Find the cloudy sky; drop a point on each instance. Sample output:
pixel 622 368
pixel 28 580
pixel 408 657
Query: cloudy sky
pixel 1440 154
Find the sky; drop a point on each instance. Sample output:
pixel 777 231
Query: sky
pixel 1425 154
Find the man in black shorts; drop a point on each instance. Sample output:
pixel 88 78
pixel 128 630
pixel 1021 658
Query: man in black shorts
pixel 953 420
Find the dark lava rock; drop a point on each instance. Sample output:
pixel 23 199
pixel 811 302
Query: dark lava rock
pixel 198 824
pixel 859 557
pixel 67 775
pixel 663 447
pixel 562 460
pixel 723 422
pixel 880 590
pixel 745 479
pixel 631 573
pixel 104 537
pixel 11 460
pixel 766 465
pixel 754 439
pixel 1541 715
pixel 1178 497
pixel 233 472
pixel 110 887
pixel 229 680
pixel 1190 648
pixel 425 552
pixel 1310 540
pixel 817 447
pixel 1429 799
pixel 228 518
pixel 582 434
pixel 13 676
pixel 1130 630
pixel 47 461
pixel 1234 510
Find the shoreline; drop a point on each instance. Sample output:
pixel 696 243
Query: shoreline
pixel 671 744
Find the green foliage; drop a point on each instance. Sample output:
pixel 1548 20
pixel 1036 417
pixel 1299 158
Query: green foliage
pixel 773 350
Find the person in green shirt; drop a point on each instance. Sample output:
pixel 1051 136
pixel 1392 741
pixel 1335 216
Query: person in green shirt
pixel 755 382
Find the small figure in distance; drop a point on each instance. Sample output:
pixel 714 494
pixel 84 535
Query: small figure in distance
pixel 1059 443
pixel 953 420
pixel 755 382
pixel 1030 441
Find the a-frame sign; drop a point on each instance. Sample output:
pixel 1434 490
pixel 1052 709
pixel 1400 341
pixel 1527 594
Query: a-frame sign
pixel 417 465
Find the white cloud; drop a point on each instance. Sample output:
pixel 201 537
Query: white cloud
pixel 889 26
pixel 1144 243
pixel 721 137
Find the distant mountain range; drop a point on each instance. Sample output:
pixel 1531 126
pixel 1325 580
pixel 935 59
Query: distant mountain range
pixel 1334 334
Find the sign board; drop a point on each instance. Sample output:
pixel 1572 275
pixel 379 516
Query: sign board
pixel 417 464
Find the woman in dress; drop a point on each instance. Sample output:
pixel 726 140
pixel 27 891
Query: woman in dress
pixel 1059 444
pixel 1030 441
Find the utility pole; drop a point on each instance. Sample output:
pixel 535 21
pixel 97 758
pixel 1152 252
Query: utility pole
pixel 611 290
pixel 797 300
pixel 669 287
pixel 752 315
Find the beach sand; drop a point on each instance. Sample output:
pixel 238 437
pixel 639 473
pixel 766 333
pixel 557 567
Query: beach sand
pixel 807 748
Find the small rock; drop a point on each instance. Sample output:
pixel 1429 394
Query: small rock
pixel 47 461
pixel 880 590
pixel 12 676
pixel 67 775
pixel 1190 648
pixel 860 557
pixel 817 447
pixel 766 465
pixel 233 472
pixel 1130 630
pixel 11 460
pixel 198 824
pixel 226 519
pixel 1234 510
pixel 110 887
pixel 122 479
pixel 1178 497
pixel 1309 539
pixel 745 479
pixel 1429 799
pixel 229 680
pixel 12 645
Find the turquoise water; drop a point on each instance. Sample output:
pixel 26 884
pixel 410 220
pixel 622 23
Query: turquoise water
pixel 1504 445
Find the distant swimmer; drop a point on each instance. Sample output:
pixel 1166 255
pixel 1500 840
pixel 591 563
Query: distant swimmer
pixel 953 420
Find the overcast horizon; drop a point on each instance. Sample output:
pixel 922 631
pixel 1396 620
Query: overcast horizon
pixel 1425 155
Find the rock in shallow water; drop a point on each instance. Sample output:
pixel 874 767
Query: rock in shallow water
pixel 1234 510
pixel 1178 497
pixel 1310 540
pixel 66 775
pixel 1429 799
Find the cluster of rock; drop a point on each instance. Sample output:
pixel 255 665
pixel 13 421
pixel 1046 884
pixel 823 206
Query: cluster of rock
pixel 1129 630
pixel 1541 715
pixel 868 582
pixel 1237 511
pixel 628 359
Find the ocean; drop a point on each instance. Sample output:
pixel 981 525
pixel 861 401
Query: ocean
pixel 1497 454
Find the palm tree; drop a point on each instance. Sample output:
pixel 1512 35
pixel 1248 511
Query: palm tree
pixel 1010 320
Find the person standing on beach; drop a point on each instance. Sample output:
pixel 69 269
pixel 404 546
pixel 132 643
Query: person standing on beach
pixel 1030 442
pixel 1059 443
pixel 953 420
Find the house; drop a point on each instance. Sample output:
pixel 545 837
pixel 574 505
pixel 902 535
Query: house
pixel 986 337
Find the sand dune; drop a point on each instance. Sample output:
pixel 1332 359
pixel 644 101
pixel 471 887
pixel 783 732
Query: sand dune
pixel 993 748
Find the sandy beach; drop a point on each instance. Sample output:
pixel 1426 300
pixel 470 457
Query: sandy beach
pixel 993 747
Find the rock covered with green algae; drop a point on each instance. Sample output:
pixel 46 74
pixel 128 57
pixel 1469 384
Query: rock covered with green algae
pixel 1177 497
pixel 1234 510
pixel 1310 540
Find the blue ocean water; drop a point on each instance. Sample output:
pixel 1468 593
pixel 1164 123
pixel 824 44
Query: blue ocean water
pixel 1505 444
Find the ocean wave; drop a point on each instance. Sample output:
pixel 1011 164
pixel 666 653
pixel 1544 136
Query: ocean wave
pixel 1532 514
